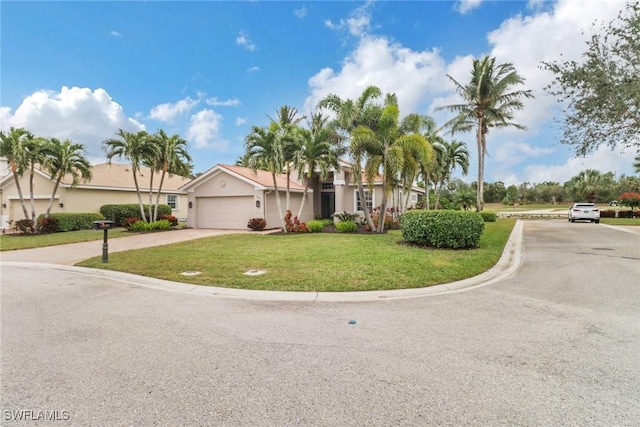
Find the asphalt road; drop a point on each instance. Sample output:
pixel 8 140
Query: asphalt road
pixel 556 344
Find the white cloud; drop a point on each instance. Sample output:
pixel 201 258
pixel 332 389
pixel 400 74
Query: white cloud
pixel 204 130
pixel 168 112
pixel 114 33
pixel 514 152
pixel 301 13
pixel 244 40
pixel 253 69
pixel 241 121
pixel 465 6
pixel 215 102
pixel 358 23
pixel 82 115
pixel 412 75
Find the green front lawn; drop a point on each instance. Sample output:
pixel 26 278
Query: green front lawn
pixel 620 221
pixel 11 242
pixel 311 262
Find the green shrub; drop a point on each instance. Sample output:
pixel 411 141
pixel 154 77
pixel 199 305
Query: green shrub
pixel 608 213
pixel 346 226
pixel 442 229
pixel 344 216
pixel 141 226
pixel 316 226
pixel 73 221
pixel 257 224
pixel 488 216
pixel 119 213
pixel 625 214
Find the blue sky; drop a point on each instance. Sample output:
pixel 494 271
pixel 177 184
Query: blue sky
pixel 211 70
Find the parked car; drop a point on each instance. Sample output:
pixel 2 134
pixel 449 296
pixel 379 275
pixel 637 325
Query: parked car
pixel 614 203
pixel 586 211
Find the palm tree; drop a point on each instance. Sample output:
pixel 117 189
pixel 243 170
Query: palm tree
pixel 317 154
pixel 65 158
pixel 12 147
pixel 589 183
pixel 388 148
pixel 289 138
pixel 265 152
pixel 352 115
pixel 454 153
pixel 487 102
pixel 172 158
pixel 132 147
pixel 636 164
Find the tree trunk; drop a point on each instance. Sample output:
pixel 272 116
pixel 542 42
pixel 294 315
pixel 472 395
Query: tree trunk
pixel 155 208
pixel 304 198
pixel 32 197
pixel 480 189
pixel 383 211
pixel 135 181
pixel 16 177
pixel 278 204
pixel 55 188
pixel 151 196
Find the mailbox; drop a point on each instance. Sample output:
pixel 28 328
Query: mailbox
pixel 102 225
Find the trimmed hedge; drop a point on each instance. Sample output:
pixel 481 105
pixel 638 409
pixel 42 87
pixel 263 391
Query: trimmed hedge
pixel 608 214
pixel 60 222
pixel 443 228
pixel 489 216
pixel 119 213
pixel 625 214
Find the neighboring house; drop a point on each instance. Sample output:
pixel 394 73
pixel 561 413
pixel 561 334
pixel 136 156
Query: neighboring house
pixel 229 196
pixel 111 184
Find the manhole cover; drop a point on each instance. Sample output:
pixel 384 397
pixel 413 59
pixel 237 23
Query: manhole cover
pixel 190 273
pixel 254 272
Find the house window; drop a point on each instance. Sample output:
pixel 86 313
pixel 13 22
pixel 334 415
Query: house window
pixel 172 200
pixel 414 197
pixel 368 197
pixel 327 186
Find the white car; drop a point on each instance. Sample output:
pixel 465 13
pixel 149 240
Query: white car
pixel 586 211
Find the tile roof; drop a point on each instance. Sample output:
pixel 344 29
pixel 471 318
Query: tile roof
pixel 119 175
pixel 263 178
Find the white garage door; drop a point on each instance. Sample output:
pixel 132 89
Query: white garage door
pixel 224 212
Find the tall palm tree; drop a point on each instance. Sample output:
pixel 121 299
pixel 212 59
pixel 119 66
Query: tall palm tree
pixel 388 148
pixel 589 183
pixel 487 101
pixel 134 148
pixel 34 155
pixel 265 152
pixel 360 115
pixel 65 158
pixel 172 157
pixel 636 164
pixel 318 153
pixel 12 147
pixel 289 138
pixel 454 154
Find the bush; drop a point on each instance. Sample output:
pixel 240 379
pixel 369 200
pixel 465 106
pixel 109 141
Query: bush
pixel 119 213
pixel 295 226
pixel 127 223
pixel 73 221
pixel 173 221
pixel 625 214
pixel 389 223
pixel 24 226
pixel 141 226
pixel 257 224
pixel 488 216
pixel 344 216
pixel 316 226
pixel 47 225
pixel 608 214
pixel 630 199
pixel 346 227
pixel 443 229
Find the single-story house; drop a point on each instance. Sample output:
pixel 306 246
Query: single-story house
pixel 228 196
pixel 110 184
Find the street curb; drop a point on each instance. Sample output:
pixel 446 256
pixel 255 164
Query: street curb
pixel 506 266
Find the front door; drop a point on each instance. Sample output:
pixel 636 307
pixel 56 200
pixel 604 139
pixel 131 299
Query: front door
pixel 327 204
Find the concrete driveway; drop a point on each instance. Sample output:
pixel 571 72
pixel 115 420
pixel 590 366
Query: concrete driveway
pixel 556 344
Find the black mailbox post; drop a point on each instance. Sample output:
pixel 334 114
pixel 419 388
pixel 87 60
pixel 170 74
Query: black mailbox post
pixel 106 226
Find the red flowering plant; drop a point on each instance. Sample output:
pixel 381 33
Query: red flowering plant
pixel 295 226
pixel 629 199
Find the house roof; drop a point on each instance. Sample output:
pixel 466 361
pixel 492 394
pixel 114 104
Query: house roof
pixel 118 176
pixel 261 179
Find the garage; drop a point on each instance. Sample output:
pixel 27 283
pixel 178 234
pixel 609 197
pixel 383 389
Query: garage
pixel 227 212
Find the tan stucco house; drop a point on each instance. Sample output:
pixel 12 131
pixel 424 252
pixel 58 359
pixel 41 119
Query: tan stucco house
pixel 229 196
pixel 111 184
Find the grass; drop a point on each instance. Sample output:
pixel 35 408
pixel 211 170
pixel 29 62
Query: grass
pixel 11 242
pixel 311 262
